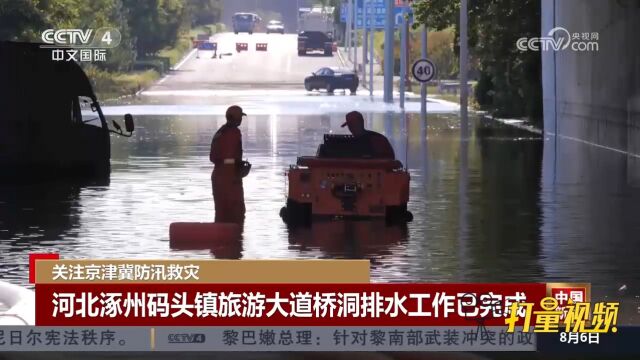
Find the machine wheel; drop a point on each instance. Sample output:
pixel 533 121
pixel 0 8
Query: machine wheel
pixel 398 214
pixel 328 52
pixel 250 32
pixel 308 87
pixel 301 52
pixel 295 214
pixel 329 88
pixel 235 32
pixel 353 91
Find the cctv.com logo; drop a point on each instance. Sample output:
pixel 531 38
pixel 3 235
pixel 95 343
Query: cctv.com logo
pixel 559 39
pixel 186 338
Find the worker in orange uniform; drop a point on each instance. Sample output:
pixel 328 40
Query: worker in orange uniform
pixel 371 143
pixel 226 178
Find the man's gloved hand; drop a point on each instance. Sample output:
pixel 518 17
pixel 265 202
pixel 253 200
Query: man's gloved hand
pixel 244 167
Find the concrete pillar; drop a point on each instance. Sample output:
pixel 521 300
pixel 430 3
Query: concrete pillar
pixel 587 94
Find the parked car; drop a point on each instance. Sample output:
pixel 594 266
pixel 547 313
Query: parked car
pixel 331 78
pixel 275 26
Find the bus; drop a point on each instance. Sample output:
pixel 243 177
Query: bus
pixel 245 22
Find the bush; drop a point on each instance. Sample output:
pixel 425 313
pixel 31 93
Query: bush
pixel 109 85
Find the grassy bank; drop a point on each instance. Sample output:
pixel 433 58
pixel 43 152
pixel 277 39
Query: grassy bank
pixel 111 85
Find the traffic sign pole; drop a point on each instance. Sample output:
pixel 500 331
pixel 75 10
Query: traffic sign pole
pixel 403 60
pixel 423 86
pixel 388 51
pixel 364 41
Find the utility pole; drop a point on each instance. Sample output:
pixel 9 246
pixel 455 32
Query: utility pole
pixel 389 29
pixel 355 36
pixel 464 55
pixel 365 35
pixel 372 31
pixel 347 42
pixel 407 47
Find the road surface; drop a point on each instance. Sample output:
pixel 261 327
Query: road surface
pixel 261 82
pixel 278 67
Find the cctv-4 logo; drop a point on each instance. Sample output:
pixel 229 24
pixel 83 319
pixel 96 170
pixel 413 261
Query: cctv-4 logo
pixel 186 338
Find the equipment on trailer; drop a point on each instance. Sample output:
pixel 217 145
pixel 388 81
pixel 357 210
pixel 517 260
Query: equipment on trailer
pixel 340 182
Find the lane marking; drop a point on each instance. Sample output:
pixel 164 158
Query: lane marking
pixel 586 142
pixel 185 59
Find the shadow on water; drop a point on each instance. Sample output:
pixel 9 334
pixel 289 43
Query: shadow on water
pixel 349 239
pixel 503 229
pixel 35 214
pixel 37 218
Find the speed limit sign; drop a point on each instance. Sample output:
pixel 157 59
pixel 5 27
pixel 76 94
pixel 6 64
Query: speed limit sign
pixel 423 70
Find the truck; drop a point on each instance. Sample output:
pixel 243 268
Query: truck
pixel 315 32
pixel 51 123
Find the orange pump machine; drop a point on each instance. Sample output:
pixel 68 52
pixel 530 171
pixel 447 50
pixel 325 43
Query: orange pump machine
pixel 340 182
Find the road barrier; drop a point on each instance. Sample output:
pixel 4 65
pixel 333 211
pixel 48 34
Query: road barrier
pixel 261 47
pixel 242 47
pixel 206 45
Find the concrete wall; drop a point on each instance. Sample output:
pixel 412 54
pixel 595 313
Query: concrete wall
pixel 594 96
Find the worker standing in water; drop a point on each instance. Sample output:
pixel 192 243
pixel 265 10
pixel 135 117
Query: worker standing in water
pixel 371 143
pixel 226 178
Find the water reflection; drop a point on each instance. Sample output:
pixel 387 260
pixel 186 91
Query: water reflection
pixel 36 216
pixel 349 239
pixel 503 205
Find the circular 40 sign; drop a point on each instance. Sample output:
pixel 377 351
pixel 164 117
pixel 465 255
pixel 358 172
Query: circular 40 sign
pixel 423 70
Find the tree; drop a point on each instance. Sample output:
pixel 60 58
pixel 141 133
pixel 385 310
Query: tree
pixel 155 24
pixel 203 12
pixel 509 83
pixel 20 20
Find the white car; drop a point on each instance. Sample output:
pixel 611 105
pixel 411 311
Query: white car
pixel 275 26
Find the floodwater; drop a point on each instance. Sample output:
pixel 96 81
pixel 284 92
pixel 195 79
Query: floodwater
pixel 498 207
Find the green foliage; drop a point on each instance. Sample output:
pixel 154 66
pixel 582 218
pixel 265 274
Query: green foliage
pixel 267 15
pixel 110 85
pixel 148 27
pixel 202 12
pixel 509 83
pixel 439 48
pixel 20 20
pixel 155 23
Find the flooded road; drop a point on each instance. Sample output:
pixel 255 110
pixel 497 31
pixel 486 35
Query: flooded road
pixel 499 207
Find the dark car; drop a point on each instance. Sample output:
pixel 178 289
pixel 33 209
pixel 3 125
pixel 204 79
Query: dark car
pixel 331 78
pixel 315 41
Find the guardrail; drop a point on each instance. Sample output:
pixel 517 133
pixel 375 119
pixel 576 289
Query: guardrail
pixel 452 88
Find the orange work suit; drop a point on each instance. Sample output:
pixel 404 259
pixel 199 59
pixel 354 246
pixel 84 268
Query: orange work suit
pixel 226 181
